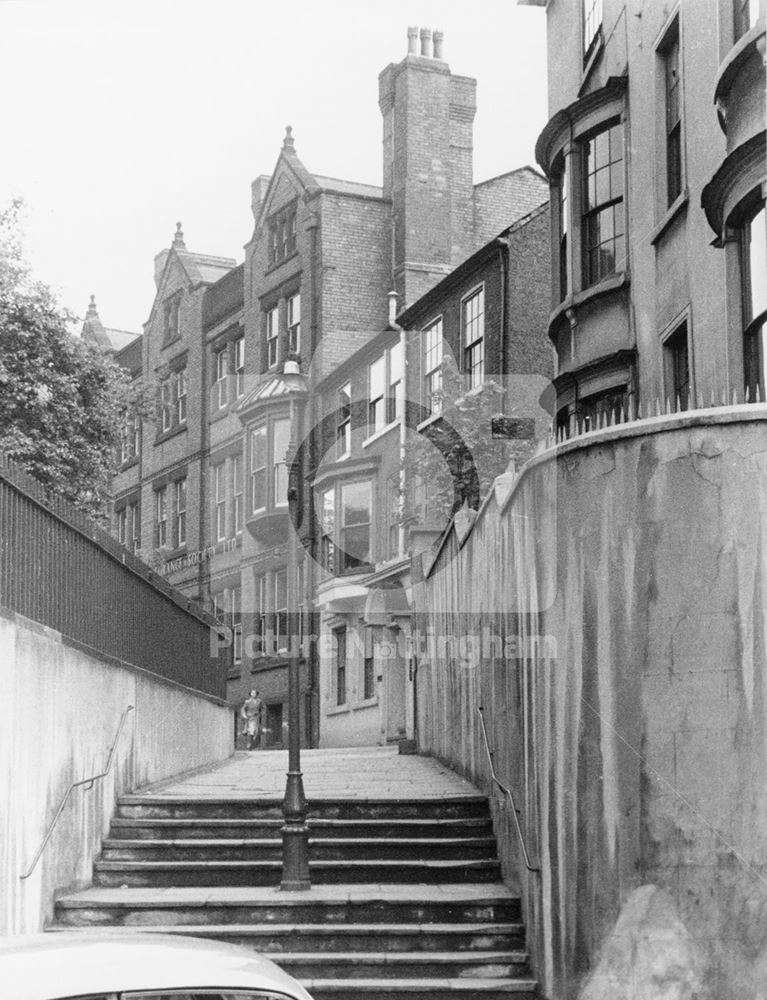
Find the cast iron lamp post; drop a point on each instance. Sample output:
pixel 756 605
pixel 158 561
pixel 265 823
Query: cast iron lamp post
pixel 295 836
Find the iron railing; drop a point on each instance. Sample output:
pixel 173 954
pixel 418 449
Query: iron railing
pixel 76 784
pixel 506 791
pixel 59 568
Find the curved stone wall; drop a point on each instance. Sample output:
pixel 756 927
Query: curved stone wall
pixel 635 736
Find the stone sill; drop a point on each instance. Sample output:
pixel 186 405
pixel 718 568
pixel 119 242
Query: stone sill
pixel 675 209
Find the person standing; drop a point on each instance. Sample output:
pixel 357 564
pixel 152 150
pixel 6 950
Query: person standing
pixel 251 714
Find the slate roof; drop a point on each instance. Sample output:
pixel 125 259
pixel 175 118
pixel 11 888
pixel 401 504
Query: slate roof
pixel 203 267
pixel 335 186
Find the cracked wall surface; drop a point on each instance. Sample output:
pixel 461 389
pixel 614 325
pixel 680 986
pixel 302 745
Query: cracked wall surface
pixel 637 752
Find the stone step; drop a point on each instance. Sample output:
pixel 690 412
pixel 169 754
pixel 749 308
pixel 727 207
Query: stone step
pixel 327 905
pixel 179 807
pixel 347 848
pixel 436 988
pixel 404 965
pixel 180 829
pixel 263 873
pixel 276 939
pixel 319 828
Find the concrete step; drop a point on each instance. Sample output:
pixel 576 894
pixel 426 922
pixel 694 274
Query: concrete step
pixel 436 988
pixel 181 807
pixel 471 826
pixel 319 828
pixel 246 873
pixel 347 848
pixel 404 965
pixel 276 939
pixel 323 904
pixel 181 829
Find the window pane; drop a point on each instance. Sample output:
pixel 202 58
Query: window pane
pixel 757 263
pixel 280 445
pixel 355 500
pixel 377 377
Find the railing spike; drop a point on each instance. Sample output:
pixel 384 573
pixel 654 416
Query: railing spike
pixel 713 398
pixel 758 394
pixel 700 400
pixel 747 396
pixel 657 407
pixel 735 396
pixel 724 396
pixel 678 404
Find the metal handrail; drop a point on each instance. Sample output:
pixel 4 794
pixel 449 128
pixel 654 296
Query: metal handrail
pixel 506 791
pixel 76 784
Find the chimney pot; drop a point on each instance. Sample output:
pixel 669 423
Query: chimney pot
pixel 412 40
pixel 439 38
pixel 426 49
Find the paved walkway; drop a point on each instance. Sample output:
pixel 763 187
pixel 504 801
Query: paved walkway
pixel 359 772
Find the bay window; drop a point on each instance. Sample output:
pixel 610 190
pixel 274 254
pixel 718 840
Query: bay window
pixel 753 287
pixel 269 445
pixel 603 217
pixel 258 468
pixel 345 517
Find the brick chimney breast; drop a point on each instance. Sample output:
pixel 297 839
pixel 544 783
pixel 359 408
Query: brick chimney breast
pixel 428 118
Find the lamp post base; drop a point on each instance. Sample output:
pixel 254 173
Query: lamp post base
pixel 295 837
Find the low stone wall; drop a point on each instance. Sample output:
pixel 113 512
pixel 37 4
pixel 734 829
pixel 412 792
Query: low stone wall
pixel 60 707
pixel 635 737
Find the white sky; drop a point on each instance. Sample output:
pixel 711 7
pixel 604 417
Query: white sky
pixel 121 118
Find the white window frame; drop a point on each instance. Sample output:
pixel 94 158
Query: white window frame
pixel 384 408
pixel 294 323
pixel 219 500
pixel 432 352
pixel 260 432
pixel 180 504
pixel 237 488
pixel 239 366
pixel 272 336
pixel 220 360
pixel 473 325
pixel 161 516
pixel 344 421
pixel 181 395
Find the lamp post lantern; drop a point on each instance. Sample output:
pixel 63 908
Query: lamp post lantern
pixel 295 836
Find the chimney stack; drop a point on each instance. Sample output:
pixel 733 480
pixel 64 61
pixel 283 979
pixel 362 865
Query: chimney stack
pixel 428 117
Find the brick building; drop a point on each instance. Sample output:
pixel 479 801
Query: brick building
pixel 314 286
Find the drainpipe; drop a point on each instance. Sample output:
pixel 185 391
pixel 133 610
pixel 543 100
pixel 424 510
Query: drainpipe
pixel 394 325
pixel 503 256
pixel 402 402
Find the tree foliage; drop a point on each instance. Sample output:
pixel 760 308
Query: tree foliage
pixel 61 400
pixel 455 460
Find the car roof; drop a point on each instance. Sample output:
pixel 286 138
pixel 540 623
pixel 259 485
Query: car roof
pixel 71 964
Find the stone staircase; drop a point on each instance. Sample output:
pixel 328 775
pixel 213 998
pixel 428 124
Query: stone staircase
pixel 406 899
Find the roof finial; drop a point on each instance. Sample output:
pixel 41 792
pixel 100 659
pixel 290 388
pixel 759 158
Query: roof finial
pixel 92 308
pixel 288 142
pixel 178 239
